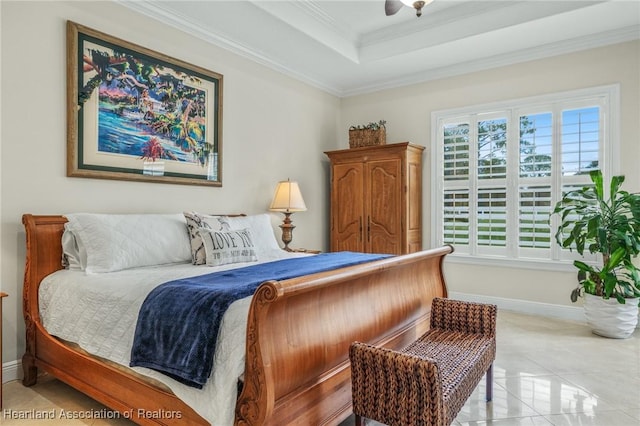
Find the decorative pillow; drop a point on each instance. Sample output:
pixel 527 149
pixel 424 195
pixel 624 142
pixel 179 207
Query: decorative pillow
pixel 196 221
pixel 261 230
pixel 74 256
pixel 223 247
pixel 113 242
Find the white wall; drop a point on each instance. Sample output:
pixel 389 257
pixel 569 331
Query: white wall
pixel 408 114
pixel 274 127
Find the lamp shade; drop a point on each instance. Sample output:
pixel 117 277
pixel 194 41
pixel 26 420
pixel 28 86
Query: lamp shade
pixel 287 198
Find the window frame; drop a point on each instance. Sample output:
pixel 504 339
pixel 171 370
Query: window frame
pixel 608 100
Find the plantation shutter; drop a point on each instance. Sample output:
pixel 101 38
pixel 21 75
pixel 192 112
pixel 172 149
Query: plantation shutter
pixel 500 172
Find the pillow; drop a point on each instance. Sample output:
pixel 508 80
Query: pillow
pixel 261 230
pixel 113 242
pixel 223 247
pixel 196 221
pixel 74 256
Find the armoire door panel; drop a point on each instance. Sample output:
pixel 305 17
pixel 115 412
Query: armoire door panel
pixel 381 243
pixel 384 205
pixel 415 187
pixel 347 208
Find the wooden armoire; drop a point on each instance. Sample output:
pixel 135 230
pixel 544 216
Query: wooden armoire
pixel 376 199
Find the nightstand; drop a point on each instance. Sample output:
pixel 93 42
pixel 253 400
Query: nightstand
pixel 303 250
pixel 2 296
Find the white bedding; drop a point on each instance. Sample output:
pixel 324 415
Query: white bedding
pixel 99 313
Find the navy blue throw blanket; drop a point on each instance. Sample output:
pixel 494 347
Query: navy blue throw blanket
pixel 179 320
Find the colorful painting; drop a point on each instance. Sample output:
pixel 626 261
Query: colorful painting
pixel 139 115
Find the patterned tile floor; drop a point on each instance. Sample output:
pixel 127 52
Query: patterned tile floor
pixel 547 372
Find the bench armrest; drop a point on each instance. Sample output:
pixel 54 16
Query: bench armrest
pixel 466 317
pixel 381 377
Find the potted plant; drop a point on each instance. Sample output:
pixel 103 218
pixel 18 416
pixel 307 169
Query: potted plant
pixel 368 134
pixel 609 226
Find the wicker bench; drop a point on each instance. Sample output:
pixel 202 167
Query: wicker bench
pixel 429 381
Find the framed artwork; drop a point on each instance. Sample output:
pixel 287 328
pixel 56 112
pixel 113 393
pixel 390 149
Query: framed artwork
pixel 136 114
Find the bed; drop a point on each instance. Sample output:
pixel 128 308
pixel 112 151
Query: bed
pixel 298 331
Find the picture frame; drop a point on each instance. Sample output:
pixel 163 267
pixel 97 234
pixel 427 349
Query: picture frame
pixel 136 114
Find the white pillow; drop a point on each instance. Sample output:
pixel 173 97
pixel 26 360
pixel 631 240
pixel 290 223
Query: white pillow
pixel 223 247
pixel 261 230
pixel 113 242
pixel 196 221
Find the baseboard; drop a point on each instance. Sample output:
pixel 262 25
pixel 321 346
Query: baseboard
pixel 571 313
pixel 11 370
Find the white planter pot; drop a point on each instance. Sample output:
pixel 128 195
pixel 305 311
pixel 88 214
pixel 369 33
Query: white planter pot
pixel 608 318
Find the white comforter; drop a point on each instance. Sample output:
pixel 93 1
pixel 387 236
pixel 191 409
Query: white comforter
pixel 99 313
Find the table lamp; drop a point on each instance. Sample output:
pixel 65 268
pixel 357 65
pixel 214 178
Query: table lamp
pixel 287 199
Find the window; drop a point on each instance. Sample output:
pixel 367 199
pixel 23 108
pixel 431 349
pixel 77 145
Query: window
pixel 500 169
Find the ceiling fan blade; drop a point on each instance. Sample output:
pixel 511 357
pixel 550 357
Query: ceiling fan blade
pixel 391 7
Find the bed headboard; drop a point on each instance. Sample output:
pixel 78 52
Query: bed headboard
pixel 44 254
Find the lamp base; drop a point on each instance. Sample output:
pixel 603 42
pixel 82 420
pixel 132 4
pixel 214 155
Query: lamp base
pixel 287 230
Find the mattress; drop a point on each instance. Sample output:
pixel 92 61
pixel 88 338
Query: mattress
pixel 99 313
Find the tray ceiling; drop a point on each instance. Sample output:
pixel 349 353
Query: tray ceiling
pixel 350 47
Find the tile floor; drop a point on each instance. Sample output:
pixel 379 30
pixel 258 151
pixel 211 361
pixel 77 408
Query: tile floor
pixel 547 372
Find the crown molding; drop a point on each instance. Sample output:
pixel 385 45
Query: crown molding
pixel 156 10
pixel 541 52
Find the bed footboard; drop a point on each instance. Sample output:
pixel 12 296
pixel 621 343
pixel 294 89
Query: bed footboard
pixel 299 331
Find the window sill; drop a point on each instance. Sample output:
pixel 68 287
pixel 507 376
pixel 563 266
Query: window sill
pixel 537 264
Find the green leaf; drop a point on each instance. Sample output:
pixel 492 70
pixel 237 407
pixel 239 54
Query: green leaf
pixel 610 282
pixel 583 266
pixel 589 287
pixel 616 257
pixel 567 242
pixel 616 182
pixel 593 225
pixel 603 242
pixel 596 178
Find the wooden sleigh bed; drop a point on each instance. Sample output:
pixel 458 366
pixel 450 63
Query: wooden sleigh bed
pixel 298 336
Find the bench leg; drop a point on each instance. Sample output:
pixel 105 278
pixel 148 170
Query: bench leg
pixel 490 383
pixel 359 420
